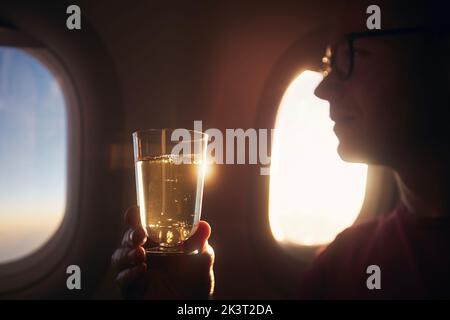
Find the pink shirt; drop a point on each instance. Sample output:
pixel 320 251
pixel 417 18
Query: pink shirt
pixel 413 254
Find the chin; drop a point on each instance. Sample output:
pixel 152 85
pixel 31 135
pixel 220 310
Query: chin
pixel 351 154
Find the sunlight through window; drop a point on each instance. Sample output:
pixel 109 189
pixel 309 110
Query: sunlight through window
pixel 314 194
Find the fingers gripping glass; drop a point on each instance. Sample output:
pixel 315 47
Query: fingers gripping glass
pixel 340 57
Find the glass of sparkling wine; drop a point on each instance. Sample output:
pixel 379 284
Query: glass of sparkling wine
pixel 169 169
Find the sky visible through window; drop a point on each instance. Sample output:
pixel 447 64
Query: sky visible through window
pixel 32 154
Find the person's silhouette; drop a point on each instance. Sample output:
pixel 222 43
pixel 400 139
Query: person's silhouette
pixel 389 91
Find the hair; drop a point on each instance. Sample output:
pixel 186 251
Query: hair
pixel 422 13
pixel 405 13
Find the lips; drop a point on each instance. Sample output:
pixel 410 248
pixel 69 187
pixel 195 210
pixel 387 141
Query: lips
pixel 342 118
pixel 342 123
pixel 341 115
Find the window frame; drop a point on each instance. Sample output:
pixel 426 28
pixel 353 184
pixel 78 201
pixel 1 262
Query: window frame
pixel 20 273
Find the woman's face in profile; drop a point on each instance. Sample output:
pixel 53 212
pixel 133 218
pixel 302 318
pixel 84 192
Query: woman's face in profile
pixel 376 110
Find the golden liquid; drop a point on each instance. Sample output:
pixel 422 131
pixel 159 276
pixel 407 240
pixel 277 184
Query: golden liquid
pixel 169 197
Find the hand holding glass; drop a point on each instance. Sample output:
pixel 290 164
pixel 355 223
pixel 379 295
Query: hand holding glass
pixel 169 185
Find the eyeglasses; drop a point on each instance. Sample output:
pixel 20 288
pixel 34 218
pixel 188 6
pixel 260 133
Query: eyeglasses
pixel 339 57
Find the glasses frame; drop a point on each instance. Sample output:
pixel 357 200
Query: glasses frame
pixel 329 63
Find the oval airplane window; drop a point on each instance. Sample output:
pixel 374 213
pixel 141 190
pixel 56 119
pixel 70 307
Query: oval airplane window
pixel 313 193
pixel 32 154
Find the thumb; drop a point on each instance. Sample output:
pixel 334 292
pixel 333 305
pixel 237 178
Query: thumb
pixel 199 239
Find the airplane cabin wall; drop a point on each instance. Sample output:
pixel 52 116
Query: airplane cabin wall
pixel 153 64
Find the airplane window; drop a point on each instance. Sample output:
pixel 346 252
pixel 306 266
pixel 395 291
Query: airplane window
pixel 313 193
pixel 32 154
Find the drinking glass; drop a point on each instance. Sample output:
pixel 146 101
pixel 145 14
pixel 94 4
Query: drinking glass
pixel 169 171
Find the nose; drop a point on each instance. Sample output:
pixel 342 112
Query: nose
pixel 329 89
